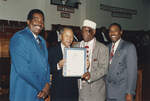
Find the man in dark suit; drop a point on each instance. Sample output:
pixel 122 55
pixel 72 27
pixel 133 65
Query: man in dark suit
pixel 53 38
pixel 30 70
pixel 62 88
pixel 102 36
pixel 122 71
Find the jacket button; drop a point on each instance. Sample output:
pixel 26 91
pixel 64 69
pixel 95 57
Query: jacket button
pixel 117 73
pixel 119 63
pixel 114 82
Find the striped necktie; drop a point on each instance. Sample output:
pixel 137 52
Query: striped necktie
pixel 112 53
pixel 37 39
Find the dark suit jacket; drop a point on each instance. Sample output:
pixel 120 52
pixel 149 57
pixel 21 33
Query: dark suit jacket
pixel 62 88
pixel 99 37
pixel 122 73
pixel 52 37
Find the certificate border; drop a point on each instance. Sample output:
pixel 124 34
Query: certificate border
pixel 66 49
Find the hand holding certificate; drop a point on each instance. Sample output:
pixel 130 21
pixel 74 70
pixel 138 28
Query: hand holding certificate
pixel 75 62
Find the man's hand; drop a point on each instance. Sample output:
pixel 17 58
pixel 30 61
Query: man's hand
pixel 44 92
pixel 61 63
pixel 86 76
pixel 128 97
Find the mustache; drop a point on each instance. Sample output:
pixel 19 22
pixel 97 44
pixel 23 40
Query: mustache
pixel 38 25
pixel 68 41
pixel 112 35
pixel 84 35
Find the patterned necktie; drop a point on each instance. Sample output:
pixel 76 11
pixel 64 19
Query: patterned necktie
pixel 112 53
pixel 37 39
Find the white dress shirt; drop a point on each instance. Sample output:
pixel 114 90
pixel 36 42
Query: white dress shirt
pixel 115 47
pixel 105 39
pixel 63 52
pixel 58 36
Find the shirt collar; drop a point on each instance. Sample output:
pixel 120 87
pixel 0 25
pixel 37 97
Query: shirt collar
pixel 35 36
pixel 116 44
pixel 63 47
pixel 90 42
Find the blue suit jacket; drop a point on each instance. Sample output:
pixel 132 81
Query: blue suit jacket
pixel 122 73
pixel 62 88
pixel 29 66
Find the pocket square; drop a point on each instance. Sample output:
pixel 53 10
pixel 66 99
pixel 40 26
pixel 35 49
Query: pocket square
pixel 95 59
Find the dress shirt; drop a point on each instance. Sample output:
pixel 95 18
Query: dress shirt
pixel 35 36
pixel 116 45
pixel 104 37
pixel 58 36
pixel 63 51
pixel 90 44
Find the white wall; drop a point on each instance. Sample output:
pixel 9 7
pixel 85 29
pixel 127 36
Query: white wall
pixel 103 18
pixel 53 16
pixel 19 9
pixel 16 9
pixel 89 9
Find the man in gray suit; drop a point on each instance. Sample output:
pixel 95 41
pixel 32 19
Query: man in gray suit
pixel 92 83
pixel 122 70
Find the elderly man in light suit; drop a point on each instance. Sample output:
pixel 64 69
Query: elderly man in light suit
pixel 92 83
pixel 30 70
pixel 122 71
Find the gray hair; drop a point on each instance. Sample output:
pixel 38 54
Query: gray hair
pixel 61 31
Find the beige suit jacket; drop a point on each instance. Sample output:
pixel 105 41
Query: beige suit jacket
pixel 96 86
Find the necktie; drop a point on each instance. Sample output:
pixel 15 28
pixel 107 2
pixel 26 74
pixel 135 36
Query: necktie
pixel 37 39
pixel 112 53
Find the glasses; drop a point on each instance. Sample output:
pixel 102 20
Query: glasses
pixel 86 31
pixel 37 19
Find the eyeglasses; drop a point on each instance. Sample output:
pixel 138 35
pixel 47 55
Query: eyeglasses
pixel 86 31
pixel 37 19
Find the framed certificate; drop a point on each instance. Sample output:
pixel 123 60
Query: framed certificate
pixel 75 62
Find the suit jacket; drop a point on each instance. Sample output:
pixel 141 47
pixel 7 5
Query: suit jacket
pixel 96 85
pixel 100 38
pixel 122 73
pixel 29 66
pixel 62 88
pixel 52 37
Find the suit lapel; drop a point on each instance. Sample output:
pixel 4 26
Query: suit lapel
pixel 41 51
pixel 60 54
pixel 95 51
pixel 35 42
pixel 117 53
